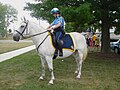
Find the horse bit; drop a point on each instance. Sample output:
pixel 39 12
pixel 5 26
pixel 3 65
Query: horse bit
pixel 21 34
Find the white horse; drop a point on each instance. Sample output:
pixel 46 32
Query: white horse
pixel 42 41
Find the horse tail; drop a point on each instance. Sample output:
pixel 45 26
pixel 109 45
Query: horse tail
pixel 85 52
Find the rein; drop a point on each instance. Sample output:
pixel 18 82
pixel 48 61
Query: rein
pixel 25 37
pixel 35 35
pixel 41 42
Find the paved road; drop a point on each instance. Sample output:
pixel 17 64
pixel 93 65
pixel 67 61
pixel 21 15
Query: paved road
pixel 11 54
pixel 12 41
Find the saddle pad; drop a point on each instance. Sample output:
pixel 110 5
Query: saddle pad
pixel 68 42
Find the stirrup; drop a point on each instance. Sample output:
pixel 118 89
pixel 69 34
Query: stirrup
pixel 55 54
pixel 54 57
pixel 60 53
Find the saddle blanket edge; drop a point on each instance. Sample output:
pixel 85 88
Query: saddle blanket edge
pixel 69 39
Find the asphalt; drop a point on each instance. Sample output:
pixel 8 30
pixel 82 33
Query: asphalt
pixel 11 54
pixel 12 41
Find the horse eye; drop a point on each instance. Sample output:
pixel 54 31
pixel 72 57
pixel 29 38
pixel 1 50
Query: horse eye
pixel 22 26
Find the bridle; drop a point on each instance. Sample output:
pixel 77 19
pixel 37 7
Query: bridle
pixel 21 33
pixel 25 37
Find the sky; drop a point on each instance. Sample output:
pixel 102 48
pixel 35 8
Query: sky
pixel 19 5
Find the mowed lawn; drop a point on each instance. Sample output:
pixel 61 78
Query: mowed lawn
pixel 99 72
pixel 10 46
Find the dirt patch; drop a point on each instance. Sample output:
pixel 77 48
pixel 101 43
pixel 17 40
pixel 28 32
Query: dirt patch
pixel 109 56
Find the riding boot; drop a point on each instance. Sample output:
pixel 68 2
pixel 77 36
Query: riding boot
pixel 60 51
pixel 55 54
pixel 60 42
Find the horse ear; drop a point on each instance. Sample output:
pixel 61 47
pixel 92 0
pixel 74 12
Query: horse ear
pixel 21 19
pixel 24 18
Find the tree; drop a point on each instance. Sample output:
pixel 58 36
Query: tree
pixel 2 20
pixel 78 14
pixel 7 15
pixel 108 12
pixel 117 31
pixel 81 13
pixel 11 15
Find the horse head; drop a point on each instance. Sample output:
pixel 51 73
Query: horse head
pixel 18 34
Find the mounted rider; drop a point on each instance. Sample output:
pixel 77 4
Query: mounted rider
pixel 58 30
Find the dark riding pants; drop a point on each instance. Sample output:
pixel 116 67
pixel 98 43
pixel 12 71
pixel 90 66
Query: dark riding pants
pixel 58 37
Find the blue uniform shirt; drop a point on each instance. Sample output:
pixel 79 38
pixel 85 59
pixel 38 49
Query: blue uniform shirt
pixel 56 21
pixel 62 21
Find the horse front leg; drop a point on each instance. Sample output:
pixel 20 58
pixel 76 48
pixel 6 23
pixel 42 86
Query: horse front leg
pixel 50 66
pixel 43 62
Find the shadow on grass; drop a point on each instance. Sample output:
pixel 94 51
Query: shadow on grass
pixel 99 72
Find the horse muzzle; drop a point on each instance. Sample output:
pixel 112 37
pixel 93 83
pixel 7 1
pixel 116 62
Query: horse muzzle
pixel 16 37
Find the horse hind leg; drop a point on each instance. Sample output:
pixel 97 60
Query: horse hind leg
pixel 78 57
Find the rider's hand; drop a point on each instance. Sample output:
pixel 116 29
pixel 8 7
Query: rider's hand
pixel 49 30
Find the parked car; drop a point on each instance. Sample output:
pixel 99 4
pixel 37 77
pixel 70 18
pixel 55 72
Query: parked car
pixel 115 46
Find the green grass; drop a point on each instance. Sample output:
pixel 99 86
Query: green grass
pixel 98 73
pixel 9 46
pixel 9 37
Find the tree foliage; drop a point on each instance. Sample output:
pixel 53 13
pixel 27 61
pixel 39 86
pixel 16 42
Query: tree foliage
pixel 7 15
pixel 108 12
pixel 77 13
pixel 2 20
pixel 11 14
pixel 83 13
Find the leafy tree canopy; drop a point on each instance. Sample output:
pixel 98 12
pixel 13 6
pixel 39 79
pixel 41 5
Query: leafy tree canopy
pixel 81 13
pixel 77 13
pixel 7 15
pixel 11 14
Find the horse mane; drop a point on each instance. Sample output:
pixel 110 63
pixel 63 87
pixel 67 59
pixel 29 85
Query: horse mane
pixel 37 26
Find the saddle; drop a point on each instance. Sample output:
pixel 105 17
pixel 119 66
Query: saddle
pixel 68 42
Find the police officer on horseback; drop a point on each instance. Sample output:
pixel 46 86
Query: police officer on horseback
pixel 58 30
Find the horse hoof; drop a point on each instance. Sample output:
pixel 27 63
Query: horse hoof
pixel 76 72
pixel 41 78
pixel 78 77
pixel 50 82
